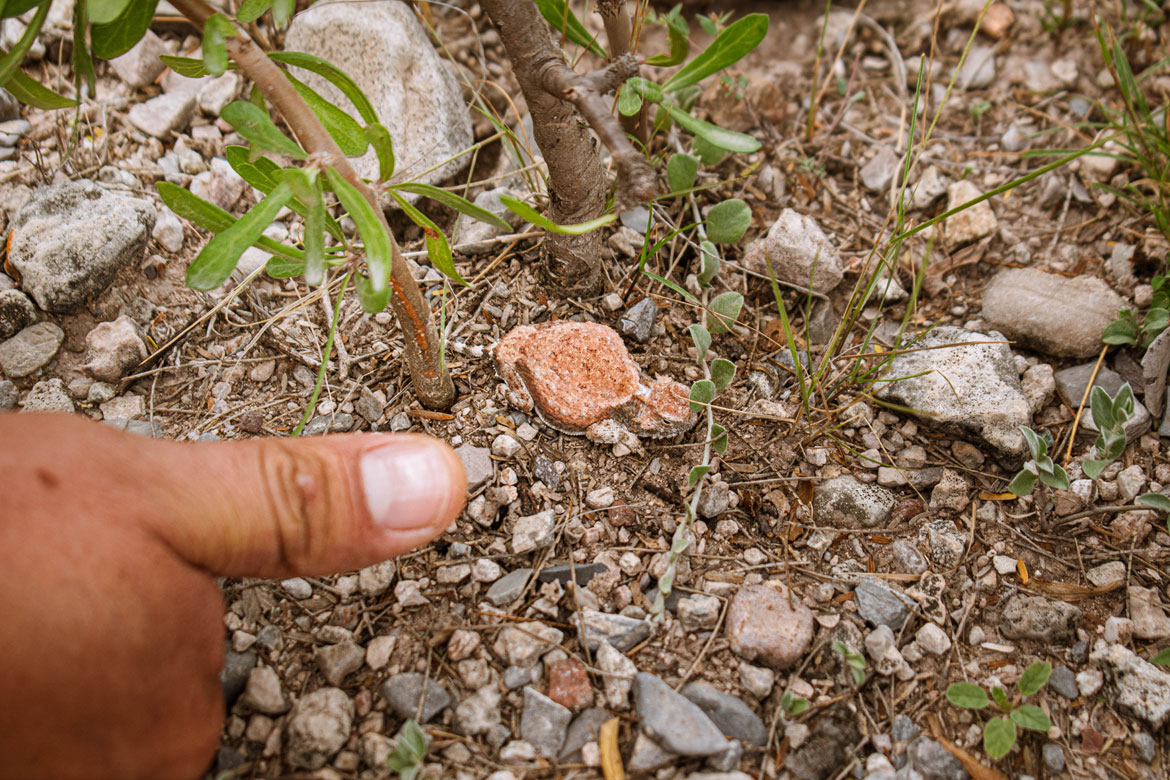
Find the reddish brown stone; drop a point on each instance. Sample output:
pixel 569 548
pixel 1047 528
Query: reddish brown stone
pixel 764 625
pixel 997 20
pixel 568 684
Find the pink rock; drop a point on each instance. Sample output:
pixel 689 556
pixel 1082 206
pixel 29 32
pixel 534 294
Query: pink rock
pixel 579 377
pixel 763 626
pixel 113 349
pixel 568 684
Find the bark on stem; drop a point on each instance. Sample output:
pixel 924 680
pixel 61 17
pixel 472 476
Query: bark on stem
pixel 557 98
pixel 432 384
pixel 619 30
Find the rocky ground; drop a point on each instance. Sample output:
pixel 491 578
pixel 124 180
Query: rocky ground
pixel 879 520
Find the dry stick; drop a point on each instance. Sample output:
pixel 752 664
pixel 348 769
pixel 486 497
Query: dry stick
pixel 1072 434
pixel 423 351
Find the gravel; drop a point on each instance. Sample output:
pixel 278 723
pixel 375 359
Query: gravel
pixel 674 721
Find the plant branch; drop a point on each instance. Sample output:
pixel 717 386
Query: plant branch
pixel 432 384
pixel 618 31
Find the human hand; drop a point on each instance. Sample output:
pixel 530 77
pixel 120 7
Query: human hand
pixel 111 624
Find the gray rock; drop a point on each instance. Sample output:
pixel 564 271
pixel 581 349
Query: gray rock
pixel 522 644
pixel 480 712
pixel 945 542
pixel 1146 746
pixel 825 751
pixel 8 395
pixel 620 631
pixel 904 729
pixel 972 223
pixel 544 723
pixel 1035 617
pixel 297 587
pixel 967 389
pixel 648 755
pixel 1063 681
pixel 880 604
pixel 168 230
pixel 580 573
pixel 477 462
pixel 474 237
pixel 801 253
pixel 619 675
pixel 930 187
pixel 978 69
pixel 233 678
pixel 1149 618
pixel 519 676
pixel 403 691
pixel 262 692
pixel 1141 687
pixel 338 661
pixel 385 49
pixel 715 500
pixel 1071 383
pixel 763 624
pixel 933 761
pixel 113 349
pixel 1049 313
pixel 30 349
pixel 73 238
pixel 141 65
pixel 584 728
pixel 675 722
pixel 878 172
pixel 214 94
pixel 638 321
pixel 508 588
pixel 49 395
pixel 908 557
pixel 533 531
pixel 318 728
pixel 16 313
pixel 544 470
pixel 400 422
pixel 734 718
pixel 843 501
pixel 160 116
pixel 1053 758
pixel 1155 365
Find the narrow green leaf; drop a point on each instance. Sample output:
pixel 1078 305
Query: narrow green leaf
pixel 722 372
pixel 216 30
pixel 10 62
pixel 710 262
pixel 212 218
pixel 719 438
pixel 251 10
pixel 1031 717
pixel 334 75
pixel 119 36
pixel 1034 678
pixel 730 46
pixel 383 144
pixel 349 135
pixel 1101 406
pixel 1036 445
pixel 1022 484
pixel 725 310
pixel 306 186
pixel 283 268
pixel 536 218
pixel 218 259
pixel 696 474
pixel 378 244
pixel 999 734
pixel 438 248
pixel 967 695
pixel 250 170
pixel 188 67
pixel 670 285
pixel 681 170
pixel 702 393
pixel 1123 404
pixel 728 221
pixel 31 92
pixel 1162 658
pixel 252 122
pixel 702 340
pixel 372 301
pixel 104 11
pixel 1159 501
pixel 84 75
pixel 453 201
pixel 716 136
pixel 561 18
pixel 708 154
pixel 680 45
pixel 282 11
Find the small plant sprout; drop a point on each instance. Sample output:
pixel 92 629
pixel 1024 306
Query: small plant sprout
pixel 1039 467
pixel 1161 659
pixel 407 757
pixel 1110 416
pixel 999 733
pixel 854 660
pixel 793 705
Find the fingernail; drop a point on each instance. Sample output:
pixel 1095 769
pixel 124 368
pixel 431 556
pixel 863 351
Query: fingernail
pixel 407 484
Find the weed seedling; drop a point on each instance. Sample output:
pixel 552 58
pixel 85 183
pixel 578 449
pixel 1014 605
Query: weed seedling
pixel 1039 467
pixel 854 660
pixel 1110 416
pixel 407 757
pixel 999 733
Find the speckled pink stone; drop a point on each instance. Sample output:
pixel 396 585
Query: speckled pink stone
pixel 580 373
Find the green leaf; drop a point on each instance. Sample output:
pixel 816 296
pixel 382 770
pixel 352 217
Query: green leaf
pixel 536 218
pixel 1022 484
pixel 1123 404
pixel 283 268
pixel 1093 466
pixel 413 741
pixel 999 734
pixel 719 438
pixel 282 11
pixel 451 200
pixel 212 218
pixel 1031 717
pixel 1159 501
pixel 188 67
pixel 262 178
pixel 1001 698
pixel 1056 478
pixel 349 135
pixel 31 92
pixel 562 19
pixel 1034 678
pixel 730 46
pixel 794 705
pixel 216 30
pixel 967 695
pixel 251 10
pixel 629 102
pixel 702 393
pixel 722 372
pixel 716 136
pixel 119 36
pixel 334 75
pixel 373 301
pixel 83 70
pixel 725 310
pixel 10 62
pixel 16 7
pixel 378 244
pixel 218 259
pixel 1101 406
pixel 1036 445
pixel 438 248
pixel 710 261
pixel 728 221
pixel 105 11
pixel 1123 330
pixel 252 122
pixel 680 44
pixel 702 340
pixel 383 144
pixel 681 170
pixel 306 187
pixel 696 474
pixel 1162 658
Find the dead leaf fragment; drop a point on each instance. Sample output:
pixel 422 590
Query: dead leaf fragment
pixel 611 755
